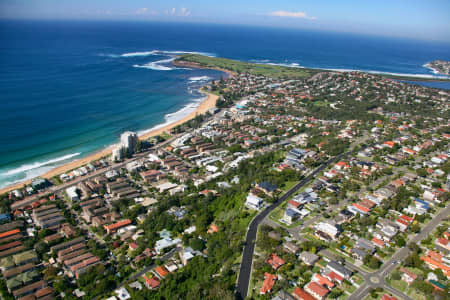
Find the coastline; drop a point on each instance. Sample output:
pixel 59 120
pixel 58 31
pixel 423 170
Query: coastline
pixel 193 65
pixel 203 107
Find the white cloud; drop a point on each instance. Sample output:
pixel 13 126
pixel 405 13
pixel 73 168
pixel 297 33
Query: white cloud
pixel 291 14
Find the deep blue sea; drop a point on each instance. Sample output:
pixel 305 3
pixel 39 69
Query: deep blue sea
pixel 69 88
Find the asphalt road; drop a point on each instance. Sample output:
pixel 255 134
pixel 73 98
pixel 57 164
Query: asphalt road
pixel 163 258
pixel 250 240
pixel 389 265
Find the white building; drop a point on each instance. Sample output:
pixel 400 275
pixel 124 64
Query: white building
pixel 72 193
pixel 117 153
pixel 122 294
pixel 129 141
pixel 166 243
pixel 327 228
pixel 254 202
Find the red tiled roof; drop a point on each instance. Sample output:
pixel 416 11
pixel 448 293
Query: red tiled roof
pixel 43 292
pixel 360 207
pixel 406 218
pixel 118 224
pixel 434 255
pixel 10 245
pixel 85 263
pixel 161 271
pixel 269 281
pixel 409 273
pixel 294 203
pixel 8 233
pixel 388 297
pixel 335 277
pixel 377 241
pixel 442 241
pixel 275 261
pixel 152 282
pixel 301 294
pixel 323 281
pixel 401 221
pixel 436 264
pixel 317 289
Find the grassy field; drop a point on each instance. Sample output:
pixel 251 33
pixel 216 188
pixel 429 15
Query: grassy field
pixel 274 71
pixel 245 67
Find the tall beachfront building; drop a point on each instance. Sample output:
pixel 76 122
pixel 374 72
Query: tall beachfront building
pixel 129 141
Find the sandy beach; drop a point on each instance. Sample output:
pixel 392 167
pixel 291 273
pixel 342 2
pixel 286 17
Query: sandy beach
pixel 205 105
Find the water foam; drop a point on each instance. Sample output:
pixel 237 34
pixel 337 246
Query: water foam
pixel 164 52
pixel 36 165
pixel 176 116
pixel 157 65
pixel 424 76
pixel 200 78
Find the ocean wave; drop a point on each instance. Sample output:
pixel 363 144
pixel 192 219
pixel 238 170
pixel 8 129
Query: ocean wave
pixel 291 65
pixel 176 116
pixel 36 165
pixel 200 78
pixel 296 65
pixel 157 65
pixel 27 175
pixel 164 52
pixel 133 54
pixel 425 76
pixel 259 60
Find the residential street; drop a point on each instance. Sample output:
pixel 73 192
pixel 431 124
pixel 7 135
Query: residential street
pixel 378 278
pixel 250 240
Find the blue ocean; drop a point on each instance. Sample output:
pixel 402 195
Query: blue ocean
pixel 69 88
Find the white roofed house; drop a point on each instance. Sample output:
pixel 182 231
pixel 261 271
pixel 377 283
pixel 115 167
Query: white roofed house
pixel 134 166
pixel 166 186
pixel 327 231
pixel 72 193
pixel 290 215
pixel 254 202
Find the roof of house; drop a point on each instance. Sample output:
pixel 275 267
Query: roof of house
pixel 308 257
pixel 317 289
pixel 152 282
pixel 401 221
pixel 377 241
pixel 335 277
pixel 161 271
pixel 270 187
pixel 361 208
pixel 8 233
pixel 118 224
pixel 435 263
pixel 323 281
pixel 442 241
pixel 269 281
pixel 43 292
pixel 409 273
pixel 388 297
pixel 302 294
pixel 275 261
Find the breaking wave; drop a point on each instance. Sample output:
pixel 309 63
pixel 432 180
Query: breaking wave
pixel 36 165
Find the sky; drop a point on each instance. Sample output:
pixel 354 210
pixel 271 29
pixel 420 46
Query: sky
pixel 418 19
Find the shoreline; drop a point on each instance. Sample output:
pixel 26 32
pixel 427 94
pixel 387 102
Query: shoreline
pixel 203 107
